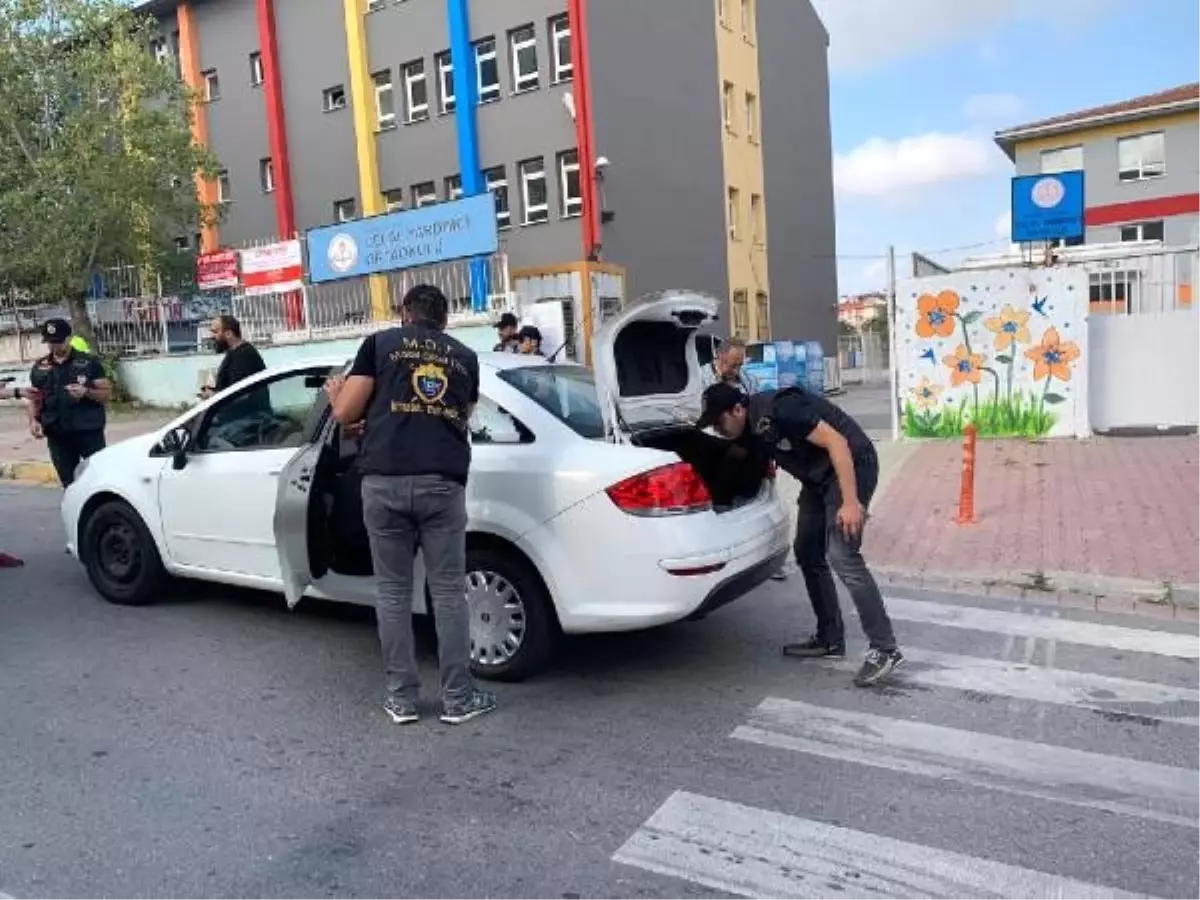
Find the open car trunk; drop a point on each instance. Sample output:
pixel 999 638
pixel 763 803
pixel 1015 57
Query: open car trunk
pixel 733 482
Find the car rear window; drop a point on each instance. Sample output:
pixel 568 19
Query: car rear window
pixel 566 392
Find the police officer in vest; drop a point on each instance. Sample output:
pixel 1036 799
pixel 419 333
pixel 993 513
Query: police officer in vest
pixel 72 389
pixel 417 388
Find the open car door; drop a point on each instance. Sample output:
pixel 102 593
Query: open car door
pixel 293 511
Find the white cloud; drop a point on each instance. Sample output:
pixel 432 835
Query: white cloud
pixel 1004 224
pixel 990 109
pixel 867 34
pixel 878 166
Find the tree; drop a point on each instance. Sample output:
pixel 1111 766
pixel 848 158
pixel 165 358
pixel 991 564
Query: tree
pixel 97 163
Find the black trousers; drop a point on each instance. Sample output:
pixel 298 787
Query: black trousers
pixel 69 448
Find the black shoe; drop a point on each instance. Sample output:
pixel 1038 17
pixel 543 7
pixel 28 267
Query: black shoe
pixel 779 576
pixel 878 665
pixel 400 710
pixel 476 704
pixel 815 648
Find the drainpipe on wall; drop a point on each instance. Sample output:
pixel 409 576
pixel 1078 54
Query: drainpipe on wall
pixel 585 137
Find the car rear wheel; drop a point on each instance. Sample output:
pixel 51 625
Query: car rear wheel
pixel 513 631
pixel 119 554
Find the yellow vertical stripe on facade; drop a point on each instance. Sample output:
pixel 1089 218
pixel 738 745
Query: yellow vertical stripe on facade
pixel 741 147
pixel 362 105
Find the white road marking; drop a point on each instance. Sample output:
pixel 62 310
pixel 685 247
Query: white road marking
pixel 1081 778
pixel 993 621
pixel 760 853
pixel 1083 690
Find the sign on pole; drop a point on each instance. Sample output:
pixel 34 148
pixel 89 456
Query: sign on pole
pixel 1048 207
pixel 217 270
pixel 272 269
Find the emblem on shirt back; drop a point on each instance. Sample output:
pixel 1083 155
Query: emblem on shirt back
pixel 430 382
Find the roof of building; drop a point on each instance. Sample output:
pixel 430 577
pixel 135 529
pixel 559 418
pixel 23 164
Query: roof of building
pixel 1176 99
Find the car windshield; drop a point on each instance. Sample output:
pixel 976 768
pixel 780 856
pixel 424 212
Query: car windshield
pixel 566 392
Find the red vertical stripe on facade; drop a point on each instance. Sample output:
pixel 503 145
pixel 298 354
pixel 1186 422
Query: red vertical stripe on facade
pixel 584 127
pixel 285 215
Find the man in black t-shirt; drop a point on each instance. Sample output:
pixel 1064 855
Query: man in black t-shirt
pixel 417 387
pixel 239 358
pixel 835 462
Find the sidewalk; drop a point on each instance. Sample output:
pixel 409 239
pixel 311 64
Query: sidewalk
pixel 1110 519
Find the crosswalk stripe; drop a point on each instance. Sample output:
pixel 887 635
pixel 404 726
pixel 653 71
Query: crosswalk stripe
pixel 994 621
pixel 1081 778
pixel 761 853
pixel 1083 690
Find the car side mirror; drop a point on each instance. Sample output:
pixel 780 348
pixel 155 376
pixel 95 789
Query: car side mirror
pixel 176 442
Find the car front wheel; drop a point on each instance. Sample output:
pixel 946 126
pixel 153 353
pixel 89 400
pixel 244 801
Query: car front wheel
pixel 513 631
pixel 119 554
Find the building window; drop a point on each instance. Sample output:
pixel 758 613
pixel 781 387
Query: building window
pixel 497 183
pixel 416 91
pixel 748 20
pixel 752 117
pixel 257 74
pixel 523 44
pixel 385 107
pixel 487 70
pixel 344 210
pixel 723 12
pixel 1077 241
pixel 741 314
pixel 569 189
pixel 393 200
pixel 534 199
pixel 224 188
pixel 181 245
pixel 1143 231
pixel 212 85
pixel 161 51
pixel 375 5
pixel 733 203
pixel 454 189
pixel 1062 159
pixel 334 98
pixel 1141 156
pixel 727 106
pixel 560 50
pixel 266 175
pixel 763 315
pixel 424 194
pixel 445 73
pixel 757 228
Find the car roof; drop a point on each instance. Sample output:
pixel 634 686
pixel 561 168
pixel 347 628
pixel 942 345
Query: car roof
pixel 490 359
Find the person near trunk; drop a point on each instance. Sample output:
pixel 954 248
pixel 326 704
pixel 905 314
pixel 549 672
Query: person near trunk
pixel 71 395
pixel 417 387
pixel 835 462
pixel 728 366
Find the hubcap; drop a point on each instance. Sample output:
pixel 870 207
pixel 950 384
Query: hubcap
pixel 118 552
pixel 497 618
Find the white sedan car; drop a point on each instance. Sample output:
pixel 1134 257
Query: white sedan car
pixel 593 504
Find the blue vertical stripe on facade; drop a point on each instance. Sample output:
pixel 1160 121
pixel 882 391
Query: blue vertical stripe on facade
pixel 466 94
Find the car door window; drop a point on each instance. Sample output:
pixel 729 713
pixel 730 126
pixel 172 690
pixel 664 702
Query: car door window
pixel 267 415
pixel 492 424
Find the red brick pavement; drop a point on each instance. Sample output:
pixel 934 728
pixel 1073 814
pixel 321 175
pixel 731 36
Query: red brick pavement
pixel 1114 507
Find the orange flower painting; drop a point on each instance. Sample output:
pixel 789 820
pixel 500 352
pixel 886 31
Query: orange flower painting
pixel 965 366
pixel 935 314
pixel 1010 327
pixel 1052 358
pixel 926 395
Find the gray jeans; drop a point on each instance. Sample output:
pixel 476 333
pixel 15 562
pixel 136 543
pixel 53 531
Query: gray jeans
pixel 404 514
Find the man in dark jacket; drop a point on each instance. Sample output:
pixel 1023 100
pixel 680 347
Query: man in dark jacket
pixel 239 358
pixel 835 462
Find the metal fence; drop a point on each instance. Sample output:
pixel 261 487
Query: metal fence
pixel 1142 282
pixel 862 358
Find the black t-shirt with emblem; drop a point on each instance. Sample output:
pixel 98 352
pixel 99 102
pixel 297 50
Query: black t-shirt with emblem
pixel 785 419
pixel 416 421
pixel 60 412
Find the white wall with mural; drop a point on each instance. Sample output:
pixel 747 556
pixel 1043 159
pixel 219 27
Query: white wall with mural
pixel 1002 348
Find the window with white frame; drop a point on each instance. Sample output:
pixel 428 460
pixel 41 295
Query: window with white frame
pixel 344 210
pixel 393 199
pixel 454 189
pixel 727 106
pixel 733 203
pixel 161 52
pixel 375 5
pixel 224 188
pixel 424 194
pixel 212 85
pixel 497 182
pixel 1141 156
pixel 1062 159
pixel 723 12
pixel 561 68
pixel 752 116
pixel 748 20
pixel 534 198
pixel 756 219
pixel 445 75
pixel 570 191
pixel 741 314
pixel 257 73
pixel 1143 231
pixel 523 45
pixel 385 107
pixel 334 98
pixel 487 70
pixel 181 245
pixel 416 91
pixel 266 174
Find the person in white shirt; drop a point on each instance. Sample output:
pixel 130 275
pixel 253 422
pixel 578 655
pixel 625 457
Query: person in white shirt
pixel 727 366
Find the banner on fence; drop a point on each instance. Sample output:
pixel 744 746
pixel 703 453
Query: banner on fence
pixel 217 270
pixel 402 240
pixel 272 269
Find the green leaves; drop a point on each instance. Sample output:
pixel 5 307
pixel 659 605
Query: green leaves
pixel 1004 358
pixel 1054 398
pixel 972 317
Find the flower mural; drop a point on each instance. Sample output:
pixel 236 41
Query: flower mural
pixel 936 314
pixel 1052 357
pixel 965 366
pixel 926 395
pixel 1010 327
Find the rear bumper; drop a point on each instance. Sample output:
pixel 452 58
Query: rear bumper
pixel 740 584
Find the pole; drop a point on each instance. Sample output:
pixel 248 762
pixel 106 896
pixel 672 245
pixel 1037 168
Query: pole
pixel 893 375
pixel 966 491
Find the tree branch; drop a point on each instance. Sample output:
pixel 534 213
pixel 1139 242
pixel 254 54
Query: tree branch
pixel 16 133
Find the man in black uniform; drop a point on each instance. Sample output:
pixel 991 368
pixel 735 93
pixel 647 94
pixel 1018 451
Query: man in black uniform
pixel 240 358
pixel 418 387
pixel 835 462
pixel 69 411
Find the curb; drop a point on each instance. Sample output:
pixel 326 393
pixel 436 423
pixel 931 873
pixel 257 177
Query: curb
pixel 29 472
pixel 1101 593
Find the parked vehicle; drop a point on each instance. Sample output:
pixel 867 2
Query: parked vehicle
pixel 594 505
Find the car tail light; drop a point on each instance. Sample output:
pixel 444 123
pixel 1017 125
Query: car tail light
pixel 666 491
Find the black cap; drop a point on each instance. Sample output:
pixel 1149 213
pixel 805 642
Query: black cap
pixel 719 399
pixel 508 320
pixel 56 331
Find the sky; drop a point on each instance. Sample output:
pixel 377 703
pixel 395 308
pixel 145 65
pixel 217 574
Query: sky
pixel 918 88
